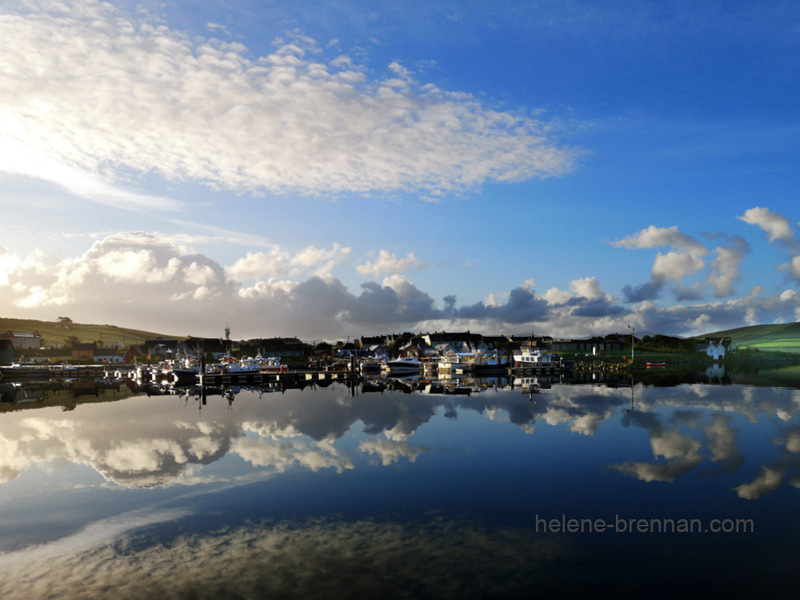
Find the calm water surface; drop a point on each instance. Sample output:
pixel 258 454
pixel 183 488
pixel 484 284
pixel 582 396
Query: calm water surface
pixel 330 492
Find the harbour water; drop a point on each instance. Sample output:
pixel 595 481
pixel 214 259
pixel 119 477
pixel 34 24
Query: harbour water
pixel 631 487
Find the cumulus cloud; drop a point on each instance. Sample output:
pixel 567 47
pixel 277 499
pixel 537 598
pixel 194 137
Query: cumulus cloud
pixel 725 267
pixel 588 300
pixel 680 451
pixel 686 259
pixel 667 472
pixel 768 481
pixel 795 268
pixel 140 271
pixel 390 452
pixel 662 236
pixel 282 456
pixel 778 229
pixel 158 282
pixel 89 93
pixel 278 262
pixel 387 263
pixel 523 305
pixel 775 225
pixel 396 299
pixel 130 451
pixel 722 443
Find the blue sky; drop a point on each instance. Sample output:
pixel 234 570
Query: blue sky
pixel 332 169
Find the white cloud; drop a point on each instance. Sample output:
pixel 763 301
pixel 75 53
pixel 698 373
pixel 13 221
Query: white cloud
pixel 795 267
pixel 88 93
pixel 649 472
pixel 774 224
pixel 662 236
pixel 282 456
pixel 159 283
pixel 673 444
pixel 256 265
pixel 768 481
pixel 674 266
pixel 131 452
pixel 319 261
pixel 686 259
pixel 388 262
pixel 725 268
pixel 390 452
pixel 310 260
pixel 588 288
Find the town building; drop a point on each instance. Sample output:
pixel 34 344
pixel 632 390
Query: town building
pixel 22 340
pixel 83 351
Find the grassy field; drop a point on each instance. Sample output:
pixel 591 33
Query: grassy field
pixel 58 332
pixel 784 337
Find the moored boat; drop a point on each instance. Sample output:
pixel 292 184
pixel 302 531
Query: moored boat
pixel 402 365
pixel 533 357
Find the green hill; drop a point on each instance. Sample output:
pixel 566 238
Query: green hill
pixel 783 337
pixel 61 331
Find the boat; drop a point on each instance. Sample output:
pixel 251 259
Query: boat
pixel 532 385
pixel 247 366
pixel 402 365
pixel 651 365
pixel 533 357
pixel 270 364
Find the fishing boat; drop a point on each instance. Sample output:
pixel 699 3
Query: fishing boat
pixel 533 357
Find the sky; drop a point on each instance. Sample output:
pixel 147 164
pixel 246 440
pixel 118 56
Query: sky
pixel 357 167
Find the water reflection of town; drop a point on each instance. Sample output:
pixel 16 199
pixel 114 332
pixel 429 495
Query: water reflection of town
pixel 692 420
pixel 69 393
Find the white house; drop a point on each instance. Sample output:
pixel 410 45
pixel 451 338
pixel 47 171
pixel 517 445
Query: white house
pixel 715 348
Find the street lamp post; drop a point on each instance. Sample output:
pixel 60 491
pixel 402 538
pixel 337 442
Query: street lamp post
pixel 633 342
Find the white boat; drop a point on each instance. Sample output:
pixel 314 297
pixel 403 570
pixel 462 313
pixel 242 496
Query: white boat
pixel 532 357
pixel 402 365
pixel 531 385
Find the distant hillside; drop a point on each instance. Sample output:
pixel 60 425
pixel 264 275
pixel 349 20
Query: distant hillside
pixel 58 332
pixel 784 337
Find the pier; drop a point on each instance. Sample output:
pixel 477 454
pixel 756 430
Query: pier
pixel 288 376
